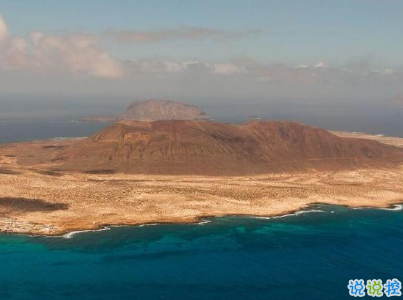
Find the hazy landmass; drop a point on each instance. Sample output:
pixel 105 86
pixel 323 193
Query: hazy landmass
pixel 99 119
pixel 153 110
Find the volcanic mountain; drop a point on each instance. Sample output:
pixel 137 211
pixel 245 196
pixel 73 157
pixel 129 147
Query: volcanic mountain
pixel 153 110
pixel 201 147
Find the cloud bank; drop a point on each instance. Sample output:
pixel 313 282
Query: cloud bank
pixel 183 33
pixel 41 59
pixel 78 54
pixel 351 73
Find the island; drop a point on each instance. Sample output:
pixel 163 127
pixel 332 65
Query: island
pixel 176 171
pixel 153 110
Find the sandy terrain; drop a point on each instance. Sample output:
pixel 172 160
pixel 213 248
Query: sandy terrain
pixel 36 201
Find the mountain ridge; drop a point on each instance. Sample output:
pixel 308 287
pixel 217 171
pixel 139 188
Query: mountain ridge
pixel 200 147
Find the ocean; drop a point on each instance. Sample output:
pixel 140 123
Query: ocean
pixel 303 256
pixel 373 119
pixel 32 129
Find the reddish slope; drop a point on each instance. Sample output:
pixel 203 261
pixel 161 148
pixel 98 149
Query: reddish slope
pixel 196 147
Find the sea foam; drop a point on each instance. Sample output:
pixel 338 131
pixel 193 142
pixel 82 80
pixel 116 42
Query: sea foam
pixel 297 213
pixel 396 207
pixel 71 234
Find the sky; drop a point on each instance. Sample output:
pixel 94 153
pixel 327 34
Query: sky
pixel 227 51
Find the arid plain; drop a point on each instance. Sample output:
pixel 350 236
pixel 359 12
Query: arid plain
pixel 35 200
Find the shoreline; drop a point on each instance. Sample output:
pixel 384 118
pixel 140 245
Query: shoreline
pixel 209 219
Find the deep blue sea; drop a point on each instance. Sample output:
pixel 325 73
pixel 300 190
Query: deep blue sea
pixel 33 129
pixel 308 256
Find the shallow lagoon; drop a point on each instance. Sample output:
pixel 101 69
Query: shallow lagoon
pixel 307 256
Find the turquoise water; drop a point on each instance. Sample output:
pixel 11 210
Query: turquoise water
pixel 309 256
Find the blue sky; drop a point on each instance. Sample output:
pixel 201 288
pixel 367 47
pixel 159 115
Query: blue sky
pixel 322 49
pixel 292 31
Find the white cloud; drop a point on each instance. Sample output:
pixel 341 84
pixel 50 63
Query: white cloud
pixel 320 65
pixel 302 66
pixel 187 66
pixel 226 69
pixel 3 30
pixel 16 54
pixel 387 72
pixel 75 53
pixel 163 66
pixel 79 54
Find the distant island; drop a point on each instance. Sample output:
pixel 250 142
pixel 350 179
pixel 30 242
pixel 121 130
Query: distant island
pixel 98 119
pixel 162 171
pixel 153 110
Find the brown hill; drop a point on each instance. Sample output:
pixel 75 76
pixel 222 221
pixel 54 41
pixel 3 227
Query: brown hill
pixel 152 110
pixel 199 147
